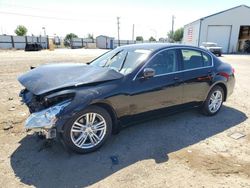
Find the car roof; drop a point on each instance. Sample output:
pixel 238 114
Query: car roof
pixel 154 46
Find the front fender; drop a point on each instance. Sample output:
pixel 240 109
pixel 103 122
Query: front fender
pixel 83 98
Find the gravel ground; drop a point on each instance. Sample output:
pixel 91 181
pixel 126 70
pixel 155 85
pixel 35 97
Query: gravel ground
pixel 182 150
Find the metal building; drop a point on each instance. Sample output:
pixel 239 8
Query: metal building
pixel 229 29
pixel 104 42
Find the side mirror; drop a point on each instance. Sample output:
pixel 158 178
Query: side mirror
pixel 148 73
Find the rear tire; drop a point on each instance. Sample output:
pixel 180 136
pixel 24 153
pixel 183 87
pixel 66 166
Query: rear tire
pixel 214 101
pixel 88 130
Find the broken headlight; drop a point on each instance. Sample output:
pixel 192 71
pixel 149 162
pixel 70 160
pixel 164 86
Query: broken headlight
pixel 46 118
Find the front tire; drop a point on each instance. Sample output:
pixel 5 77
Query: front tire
pixel 88 130
pixel 214 101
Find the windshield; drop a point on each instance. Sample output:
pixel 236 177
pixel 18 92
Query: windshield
pixel 122 60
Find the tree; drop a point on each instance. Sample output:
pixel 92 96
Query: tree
pixel 90 36
pixel 151 39
pixel 175 36
pixel 170 36
pixel 139 38
pixel 68 38
pixel 21 30
pixel 178 34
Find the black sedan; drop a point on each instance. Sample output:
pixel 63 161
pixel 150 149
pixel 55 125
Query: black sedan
pixel 82 104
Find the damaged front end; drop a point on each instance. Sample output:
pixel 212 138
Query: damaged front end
pixel 50 88
pixel 44 111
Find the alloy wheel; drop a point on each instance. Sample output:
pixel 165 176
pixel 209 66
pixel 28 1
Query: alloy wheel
pixel 88 130
pixel 215 101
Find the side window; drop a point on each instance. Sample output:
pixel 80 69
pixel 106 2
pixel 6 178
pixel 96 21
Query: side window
pixel 207 59
pixel 164 62
pixel 195 59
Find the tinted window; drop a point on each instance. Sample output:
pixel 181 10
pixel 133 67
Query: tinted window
pixel 195 59
pixel 207 59
pixel 133 59
pixel 164 62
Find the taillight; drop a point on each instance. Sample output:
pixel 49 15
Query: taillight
pixel 233 70
pixel 224 74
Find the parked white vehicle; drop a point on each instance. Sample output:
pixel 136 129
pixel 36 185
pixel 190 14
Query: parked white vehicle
pixel 212 47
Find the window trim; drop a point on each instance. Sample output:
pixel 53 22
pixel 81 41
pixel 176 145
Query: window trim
pixel 176 48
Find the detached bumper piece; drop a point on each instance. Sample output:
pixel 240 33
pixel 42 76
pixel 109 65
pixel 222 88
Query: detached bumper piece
pixel 48 134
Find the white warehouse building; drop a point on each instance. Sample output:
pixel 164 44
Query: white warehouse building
pixel 229 29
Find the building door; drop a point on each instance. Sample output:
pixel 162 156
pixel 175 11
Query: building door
pixel 221 35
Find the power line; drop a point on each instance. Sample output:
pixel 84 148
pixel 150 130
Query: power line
pixel 48 17
pixel 26 7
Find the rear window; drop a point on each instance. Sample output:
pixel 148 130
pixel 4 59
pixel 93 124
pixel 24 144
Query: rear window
pixel 193 59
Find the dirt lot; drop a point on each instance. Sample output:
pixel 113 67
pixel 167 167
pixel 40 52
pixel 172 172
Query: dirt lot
pixel 183 150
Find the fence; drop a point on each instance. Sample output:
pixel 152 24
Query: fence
pixel 117 43
pixel 80 42
pixel 19 42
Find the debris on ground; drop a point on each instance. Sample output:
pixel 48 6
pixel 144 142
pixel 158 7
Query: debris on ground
pixel 7 126
pixel 12 108
pixel 237 135
pixel 114 159
pixel 23 114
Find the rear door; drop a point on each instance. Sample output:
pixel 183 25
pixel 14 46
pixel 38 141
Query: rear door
pixel 197 69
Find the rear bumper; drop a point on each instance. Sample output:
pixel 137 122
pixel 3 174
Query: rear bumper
pixel 215 51
pixel 230 85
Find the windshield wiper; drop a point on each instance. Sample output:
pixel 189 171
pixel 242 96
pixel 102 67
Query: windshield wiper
pixel 123 62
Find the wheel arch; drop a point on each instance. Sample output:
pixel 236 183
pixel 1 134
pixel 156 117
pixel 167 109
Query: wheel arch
pixel 111 111
pixel 223 86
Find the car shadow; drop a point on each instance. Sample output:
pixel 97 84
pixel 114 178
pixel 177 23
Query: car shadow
pixel 52 166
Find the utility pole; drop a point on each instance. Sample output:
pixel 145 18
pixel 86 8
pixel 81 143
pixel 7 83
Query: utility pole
pixel 118 28
pixel 173 17
pixel 172 34
pixel 133 32
pixel 44 31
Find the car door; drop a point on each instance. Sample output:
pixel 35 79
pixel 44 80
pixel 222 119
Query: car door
pixel 197 68
pixel 162 90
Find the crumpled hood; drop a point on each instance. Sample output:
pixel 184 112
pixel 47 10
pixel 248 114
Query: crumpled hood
pixel 50 77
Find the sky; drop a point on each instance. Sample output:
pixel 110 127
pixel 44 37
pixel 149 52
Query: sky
pixel 150 18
